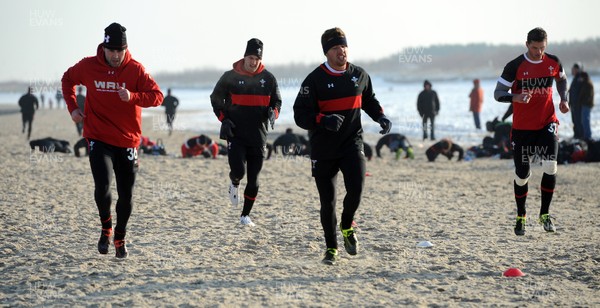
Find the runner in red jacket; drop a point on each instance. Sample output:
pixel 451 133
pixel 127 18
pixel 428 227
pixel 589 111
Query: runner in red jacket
pixel 117 89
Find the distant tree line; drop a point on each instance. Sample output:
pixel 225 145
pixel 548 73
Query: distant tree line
pixel 436 62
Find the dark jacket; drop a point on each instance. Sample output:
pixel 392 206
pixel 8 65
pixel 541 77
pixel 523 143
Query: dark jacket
pixel 574 90
pixel 586 92
pixel 28 103
pixel 324 93
pixel 245 99
pixel 428 103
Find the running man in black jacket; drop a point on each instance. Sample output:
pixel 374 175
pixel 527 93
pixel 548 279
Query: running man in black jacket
pixel 328 105
pixel 29 104
pixel 246 100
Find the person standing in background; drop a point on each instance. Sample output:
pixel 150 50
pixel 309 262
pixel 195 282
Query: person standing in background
pixel 476 97
pixel 118 87
pixel 428 106
pixel 29 104
pixel 59 98
pixel 246 100
pixel 81 105
pixel 170 103
pixel 586 102
pixel 575 106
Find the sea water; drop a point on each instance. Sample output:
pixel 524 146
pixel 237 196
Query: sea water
pixel 399 101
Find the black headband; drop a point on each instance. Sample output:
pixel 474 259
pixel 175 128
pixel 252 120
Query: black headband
pixel 340 40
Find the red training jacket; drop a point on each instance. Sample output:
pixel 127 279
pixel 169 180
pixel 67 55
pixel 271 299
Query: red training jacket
pixel 107 117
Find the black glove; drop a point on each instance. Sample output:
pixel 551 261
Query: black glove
pixel 272 117
pixel 386 125
pixel 226 129
pixel 332 122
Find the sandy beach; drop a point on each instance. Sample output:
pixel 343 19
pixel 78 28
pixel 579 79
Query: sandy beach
pixel 187 249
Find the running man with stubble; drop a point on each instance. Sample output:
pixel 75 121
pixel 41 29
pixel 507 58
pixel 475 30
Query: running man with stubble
pixel 118 87
pixel 530 78
pixel 329 106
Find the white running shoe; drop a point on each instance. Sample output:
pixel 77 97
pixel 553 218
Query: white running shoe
pixel 233 194
pixel 246 221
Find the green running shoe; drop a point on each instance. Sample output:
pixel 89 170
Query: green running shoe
pixel 520 226
pixel 350 240
pixel 331 256
pixel 547 223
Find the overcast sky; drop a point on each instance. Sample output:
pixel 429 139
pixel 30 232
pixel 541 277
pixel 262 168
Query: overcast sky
pixel 41 39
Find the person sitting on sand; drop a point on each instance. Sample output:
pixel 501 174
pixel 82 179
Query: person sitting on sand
pixel 445 147
pixel 50 145
pixel 82 143
pixel 397 143
pixel 198 145
pixel 291 144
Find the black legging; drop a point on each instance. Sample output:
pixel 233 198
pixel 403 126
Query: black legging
pixel 241 159
pixel 353 169
pixel 27 119
pixel 103 158
pixel 431 118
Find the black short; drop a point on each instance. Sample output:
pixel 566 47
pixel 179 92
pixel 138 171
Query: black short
pixel 535 145
pixel 104 157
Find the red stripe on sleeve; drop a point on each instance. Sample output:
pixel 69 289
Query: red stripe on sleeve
pixel 319 116
pixel 346 103
pixel 250 100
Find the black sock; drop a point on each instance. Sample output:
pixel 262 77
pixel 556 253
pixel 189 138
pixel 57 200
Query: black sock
pixel 547 188
pixel 520 198
pixel 249 198
pixel 106 222
pixel 119 235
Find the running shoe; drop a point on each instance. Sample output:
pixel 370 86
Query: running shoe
pixel 234 196
pixel 246 221
pixel 121 249
pixel 547 223
pixel 350 240
pixel 520 226
pixel 331 256
pixel 104 241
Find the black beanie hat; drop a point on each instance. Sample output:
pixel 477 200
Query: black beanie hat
pixel 333 37
pixel 254 48
pixel 426 82
pixel 115 37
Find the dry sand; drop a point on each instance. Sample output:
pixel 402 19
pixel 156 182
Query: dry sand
pixel 186 248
